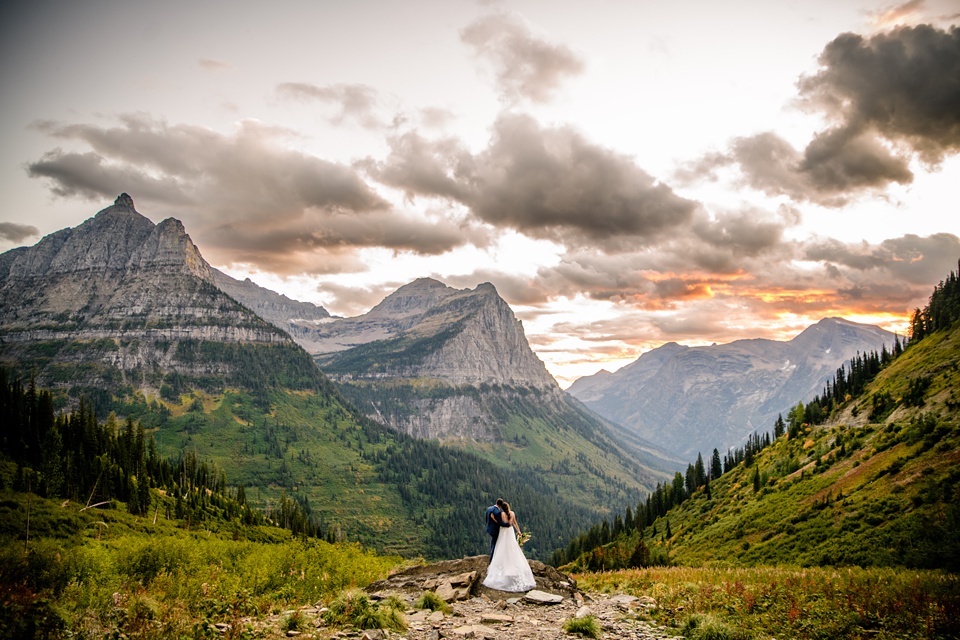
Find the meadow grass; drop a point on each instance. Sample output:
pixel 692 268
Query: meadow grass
pixel 787 603
pixel 159 586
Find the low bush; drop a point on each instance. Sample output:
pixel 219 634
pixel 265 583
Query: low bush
pixel 585 626
pixel 430 600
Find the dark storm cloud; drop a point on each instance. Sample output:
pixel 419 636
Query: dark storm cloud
pixel 243 191
pixel 92 177
pixel 248 170
pixel 525 66
pixel 889 97
pixel 356 102
pixel 548 183
pixel 555 184
pixel 904 84
pixel 14 232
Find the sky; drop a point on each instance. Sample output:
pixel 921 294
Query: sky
pixel 626 173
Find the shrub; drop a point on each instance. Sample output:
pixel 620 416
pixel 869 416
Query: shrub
pixel 354 608
pixel 430 600
pixel 294 622
pixel 585 626
pixel 706 627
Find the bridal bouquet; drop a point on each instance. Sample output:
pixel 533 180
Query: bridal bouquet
pixel 523 537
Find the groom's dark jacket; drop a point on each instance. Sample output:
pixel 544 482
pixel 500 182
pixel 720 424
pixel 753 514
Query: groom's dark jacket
pixel 493 520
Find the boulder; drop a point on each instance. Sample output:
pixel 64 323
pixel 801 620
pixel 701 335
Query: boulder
pixel 541 597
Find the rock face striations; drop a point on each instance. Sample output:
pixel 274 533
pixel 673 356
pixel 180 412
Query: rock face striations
pixel 690 400
pixel 428 330
pixel 436 362
pixel 121 300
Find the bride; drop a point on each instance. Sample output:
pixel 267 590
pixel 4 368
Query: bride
pixel 509 569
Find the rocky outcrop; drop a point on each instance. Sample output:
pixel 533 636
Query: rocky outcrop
pixel 462 579
pixel 690 400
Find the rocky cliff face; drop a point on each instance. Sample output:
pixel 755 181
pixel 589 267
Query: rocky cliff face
pixel 428 330
pixel 119 299
pixel 691 400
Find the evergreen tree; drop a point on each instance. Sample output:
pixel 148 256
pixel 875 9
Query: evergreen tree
pixel 779 428
pixel 796 418
pixel 640 556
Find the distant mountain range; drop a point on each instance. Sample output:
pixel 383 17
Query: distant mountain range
pixel 690 400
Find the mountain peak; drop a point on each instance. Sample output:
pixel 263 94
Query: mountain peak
pixel 411 299
pixel 124 200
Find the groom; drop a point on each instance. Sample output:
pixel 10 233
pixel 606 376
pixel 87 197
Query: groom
pixel 494 523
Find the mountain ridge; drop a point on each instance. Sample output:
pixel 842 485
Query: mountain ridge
pixel 691 400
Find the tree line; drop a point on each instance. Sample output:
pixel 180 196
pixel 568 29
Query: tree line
pixel 74 456
pixel 942 310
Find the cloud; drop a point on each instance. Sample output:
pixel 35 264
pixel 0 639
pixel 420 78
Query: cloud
pixel 911 261
pixel 770 296
pixel 889 97
pixel 92 177
pixel 904 85
pixel 547 183
pixel 14 232
pixel 214 65
pixel 349 301
pixel 422 167
pixel 898 14
pixel 808 279
pixel 356 102
pixel 436 117
pixel 244 191
pixel 526 67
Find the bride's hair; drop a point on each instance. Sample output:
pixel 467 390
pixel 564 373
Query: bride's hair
pixel 506 507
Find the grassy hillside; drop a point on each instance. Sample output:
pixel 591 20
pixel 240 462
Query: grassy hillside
pixel 549 433
pixel 67 571
pixel 877 485
pixel 367 483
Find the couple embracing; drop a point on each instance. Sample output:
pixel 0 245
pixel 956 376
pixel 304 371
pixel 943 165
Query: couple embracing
pixel 509 569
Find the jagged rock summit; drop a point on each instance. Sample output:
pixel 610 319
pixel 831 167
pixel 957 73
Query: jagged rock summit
pixel 690 400
pixel 426 329
pixel 121 300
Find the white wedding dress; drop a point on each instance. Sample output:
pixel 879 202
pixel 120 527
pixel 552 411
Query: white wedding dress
pixel 509 569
